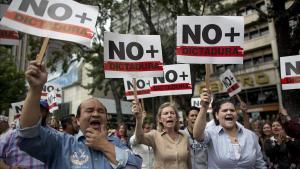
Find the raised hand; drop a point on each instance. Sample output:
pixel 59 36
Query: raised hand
pixel 205 97
pixel 137 110
pixel 36 74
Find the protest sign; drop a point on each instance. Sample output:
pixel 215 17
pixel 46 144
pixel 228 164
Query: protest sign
pixel 176 81
pixel 52 101
pixel 7 35
pixel 49 87
pixel 230 83
pixel 132 56
pixel 17 107
pixel 143 88
pixel 64 20
pixel 210 39
pixel 290 72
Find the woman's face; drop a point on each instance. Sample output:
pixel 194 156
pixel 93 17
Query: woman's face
pixel 122 130
pixel 267 130
pixel 168 117
pixel 227 116
pixel 276 128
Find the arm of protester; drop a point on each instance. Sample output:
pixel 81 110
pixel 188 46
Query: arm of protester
pixel 137 112
pixel 200 122
pixel 244 108
pixel 36 76
pixel 118 156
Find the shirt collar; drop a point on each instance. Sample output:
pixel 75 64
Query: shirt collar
pixel 80 135
pixel 240 128
pixel 164 132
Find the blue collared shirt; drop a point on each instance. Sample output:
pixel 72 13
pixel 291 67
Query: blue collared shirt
pixel 60 150
pixel 222 153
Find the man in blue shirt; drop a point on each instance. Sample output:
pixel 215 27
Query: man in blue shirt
pixel 89 149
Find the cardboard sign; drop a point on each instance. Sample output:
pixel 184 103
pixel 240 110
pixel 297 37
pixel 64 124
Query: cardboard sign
pixel 176 81
pixel 49 87
pixel 290 72
pixel 132 56
pixel 230 83
pixel 142 85
pixel 7 36
pixel 210 39
pixel 64 20
pixel 17 107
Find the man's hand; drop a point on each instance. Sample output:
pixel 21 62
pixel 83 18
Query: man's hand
pixel 205 98
pixel 96 139
pixel 36 74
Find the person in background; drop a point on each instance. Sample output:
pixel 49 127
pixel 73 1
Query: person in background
pixel 282 150
pixel 146 152
pixel 69 124
pixel 90 148
pixel 121 133
pixel 292 127
pixel 11 157
pixel 170 146
pixel 4 126
pixel 54 123
pixel 198 150
pixel 229 144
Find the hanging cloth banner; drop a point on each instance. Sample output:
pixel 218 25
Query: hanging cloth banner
pixel 210 39
pixel 56 19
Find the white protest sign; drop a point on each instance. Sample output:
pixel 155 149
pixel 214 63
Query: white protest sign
pixel 64 20
pixel 210 39
pixel 142 86
pixel 49 87
pixel 132 56
pixel 7 36
pixel 290 72
pixel 52 101
pixel 17 107
pixel 195 101
pixel 230 83
pixel 176 81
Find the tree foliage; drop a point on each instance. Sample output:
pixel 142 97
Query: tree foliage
pixel 12 81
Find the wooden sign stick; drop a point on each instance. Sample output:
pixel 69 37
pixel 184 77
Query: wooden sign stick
pixel 40 56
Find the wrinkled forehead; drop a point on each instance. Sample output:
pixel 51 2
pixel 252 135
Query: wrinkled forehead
pixel 92 103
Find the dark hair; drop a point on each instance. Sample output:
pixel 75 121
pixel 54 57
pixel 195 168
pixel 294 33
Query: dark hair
pixel 146 122
pixel 78 111
pixel 216 105
pixel 66 120
pixel 192 108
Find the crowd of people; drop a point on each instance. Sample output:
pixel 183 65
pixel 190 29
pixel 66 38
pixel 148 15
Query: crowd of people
pixel 83 140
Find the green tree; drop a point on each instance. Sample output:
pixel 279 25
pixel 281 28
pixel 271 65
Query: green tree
pixel 12 81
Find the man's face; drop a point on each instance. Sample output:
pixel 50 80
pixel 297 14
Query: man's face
pixel 191 118
pixel 92 114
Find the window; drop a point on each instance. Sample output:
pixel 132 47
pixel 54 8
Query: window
pixel 268 58
pixel 258 60
pixel 247 62
pixel 254 34
pixel 264 31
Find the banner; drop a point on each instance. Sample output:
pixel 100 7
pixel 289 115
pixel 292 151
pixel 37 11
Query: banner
pixel 7 36
pixel 230 83
pixel 290 72
pixel 17 107
pixel 142 85
pixel 210 39
pixel 63 20
pixel 176 81
pixel 52 101
pixel 49 87
pixel 132 56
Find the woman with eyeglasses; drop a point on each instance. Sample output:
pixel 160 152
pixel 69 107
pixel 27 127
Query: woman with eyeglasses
pixel 229 144
pixel 170 146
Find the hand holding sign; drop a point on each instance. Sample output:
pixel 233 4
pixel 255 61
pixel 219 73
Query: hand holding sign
pixel 36 75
